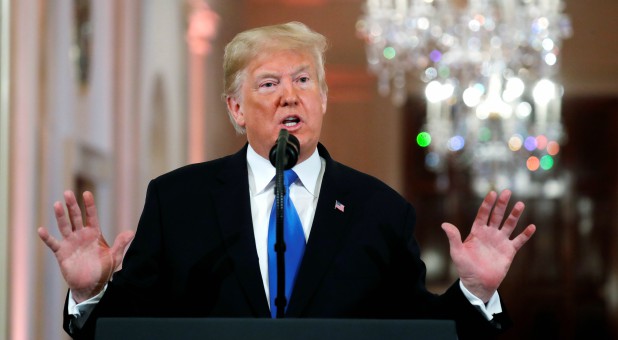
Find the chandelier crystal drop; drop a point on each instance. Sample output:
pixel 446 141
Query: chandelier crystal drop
pixel 490 70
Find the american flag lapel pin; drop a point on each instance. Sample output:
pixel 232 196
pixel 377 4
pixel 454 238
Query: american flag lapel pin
pixel 339 206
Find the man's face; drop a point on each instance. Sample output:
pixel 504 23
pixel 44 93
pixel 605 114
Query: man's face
pixel 280 91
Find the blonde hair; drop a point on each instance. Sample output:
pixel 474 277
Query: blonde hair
pixel 249 44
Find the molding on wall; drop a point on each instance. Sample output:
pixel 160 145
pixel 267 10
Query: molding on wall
pixel 4 162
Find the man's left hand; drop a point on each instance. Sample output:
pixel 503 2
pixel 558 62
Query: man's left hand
pixel 483 259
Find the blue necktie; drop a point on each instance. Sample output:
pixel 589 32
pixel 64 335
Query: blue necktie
pixel 294 237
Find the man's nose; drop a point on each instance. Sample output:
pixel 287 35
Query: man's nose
pixel 288 94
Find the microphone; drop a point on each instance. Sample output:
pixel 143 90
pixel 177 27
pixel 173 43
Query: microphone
pixel 290 149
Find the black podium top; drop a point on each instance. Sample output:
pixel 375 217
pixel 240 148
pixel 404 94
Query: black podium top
pixel 256 329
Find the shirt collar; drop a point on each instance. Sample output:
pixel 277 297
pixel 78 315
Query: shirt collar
pixel 263 172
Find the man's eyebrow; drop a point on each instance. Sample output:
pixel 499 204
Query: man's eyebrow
pixel 267 74
pixel 271 74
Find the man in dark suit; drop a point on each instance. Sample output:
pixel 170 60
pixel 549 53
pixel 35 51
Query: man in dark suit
pixel 201 244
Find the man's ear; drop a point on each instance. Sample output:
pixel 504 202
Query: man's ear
pixel 235 109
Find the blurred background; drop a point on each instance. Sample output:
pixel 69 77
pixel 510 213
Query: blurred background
pixel 105 95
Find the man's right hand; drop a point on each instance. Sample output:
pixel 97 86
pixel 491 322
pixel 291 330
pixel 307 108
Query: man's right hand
pixel 86 260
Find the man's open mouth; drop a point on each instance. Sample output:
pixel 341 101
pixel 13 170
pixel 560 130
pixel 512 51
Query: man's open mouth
pixel 291 121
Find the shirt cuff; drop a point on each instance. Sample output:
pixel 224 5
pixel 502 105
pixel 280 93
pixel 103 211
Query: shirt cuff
pixel 492 307
pixel 81 311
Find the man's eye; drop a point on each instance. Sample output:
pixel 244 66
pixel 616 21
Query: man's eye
pixel 268 84
pixel 303 79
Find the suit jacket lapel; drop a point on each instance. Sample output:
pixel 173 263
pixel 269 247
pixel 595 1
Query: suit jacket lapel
pixel 329 226
pixel 234 210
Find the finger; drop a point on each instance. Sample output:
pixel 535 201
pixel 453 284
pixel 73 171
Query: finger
pixel 499 210
pixel 482 216
pixel 49 240
pixel 453 235
pixel 75 213
pixel 64 226
pixel 121 242
pixel 511 221
pixel 522 238
pixel 92 217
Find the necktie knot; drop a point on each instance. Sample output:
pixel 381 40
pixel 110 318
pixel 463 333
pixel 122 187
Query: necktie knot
pixel 289 177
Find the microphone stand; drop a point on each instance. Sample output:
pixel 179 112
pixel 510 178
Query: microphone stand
pixel 283 156
pixel 280 300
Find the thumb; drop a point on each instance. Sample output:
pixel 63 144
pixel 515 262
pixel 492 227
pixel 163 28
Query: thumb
pixel 454 237
pixel 120 244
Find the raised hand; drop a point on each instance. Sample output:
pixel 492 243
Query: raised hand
pixel 86 260
pixel 483 259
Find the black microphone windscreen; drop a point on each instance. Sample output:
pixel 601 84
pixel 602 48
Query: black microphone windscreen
pixel 292 150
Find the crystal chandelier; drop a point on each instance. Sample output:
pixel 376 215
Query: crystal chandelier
pixel 493 103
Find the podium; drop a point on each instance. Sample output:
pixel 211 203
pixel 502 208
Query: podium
pixel 257 329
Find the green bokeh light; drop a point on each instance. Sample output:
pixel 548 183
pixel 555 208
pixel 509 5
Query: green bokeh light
pixel 389 53
pixel 444 72
pixel 423 139
pixel 484 134
pixel 547 162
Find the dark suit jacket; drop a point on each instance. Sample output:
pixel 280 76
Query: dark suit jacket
pixel 194 254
